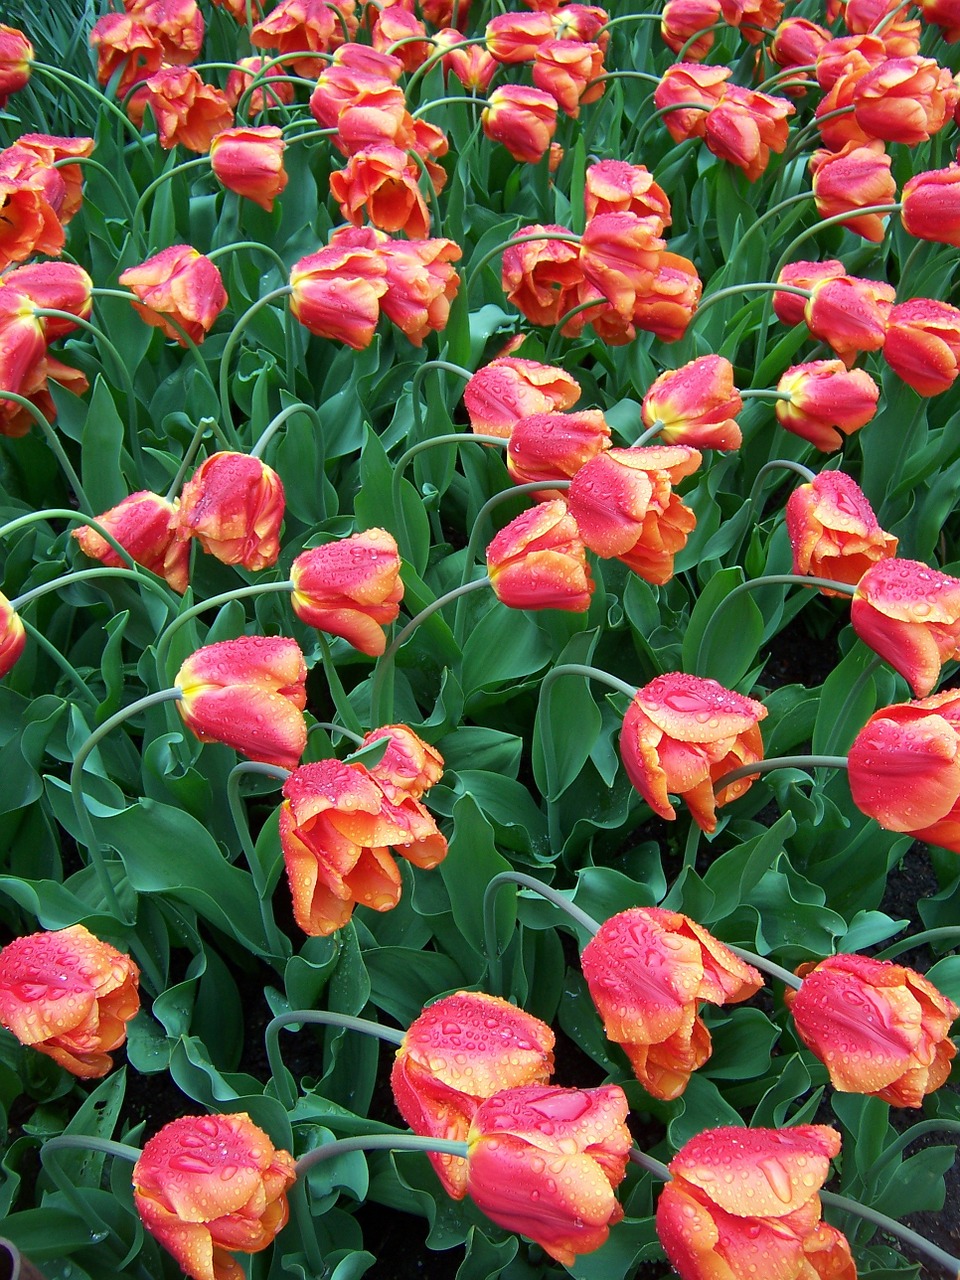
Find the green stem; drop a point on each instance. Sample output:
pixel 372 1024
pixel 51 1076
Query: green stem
pixel 780 762
pixel 903 1140
pixel 918 1242
pixel 441 366
pixel 87 833
pixel 329 727
pixel 822 225
pixel 379 1142
pixel 755 584
pixel 624 75
pixel 152 187
pixel 400 466
pixel 64 513
pixel 785 73
pixel 490 943
pixel 629 17
pixel 591 673
pixel 286 1089
pixel 49 1154
pixel 86 1142
pixel 193 448
pixel 648 434
pixel 750 286
pixel 53 441
pixel 58 73
pixel 429 63
pixel 52 652
pixel 778 464
pixel 234 338
pixel 890 17
pixel 568 237
pixel 275 939
pixel 337 692
pixel 254 245
pixel 271 429
pixel 768 966
pixel 464 98
pixel 556 332
pixel 692 40
pixel 84 575
pixel 691 847
pixel 768 393
pixel 643 1161
pixel 385 663
pixel 919 940
pixel 90 163
pixel 214 602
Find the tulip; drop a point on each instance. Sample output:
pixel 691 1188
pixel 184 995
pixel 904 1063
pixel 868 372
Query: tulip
pixel 647 970
pixel 181 283
pixel 899 30
pixel 905 100
pixel 22 340
pixel 187 110
pixel 543 1162
pixel 909 614
pixel 513 38
pixel 567 69
pixel 751 16
pixel 13 636
pixel 922 345
pixel 695 405
pixel 620 254
pixel 473 66
pixel 460 1051
pixel 669 302
pixel 797 42
pixel 554 446
pixel 409 766
pixel 510 388
pixel 421 285
pixel 789 307
pixel 541 277
pixel 294 26
pixel 393 31
pixel 850 314
pixel 826 402
pixel 336 827
pixel 624 505
pixel 681 20
pixel 745 127
pixel 144 524
pixel 880 1028
pixel 122 41
pixel 59 286
pixel 210 1186
pixel 233 505
pixel 931 205
pixel 743 1203
pixel 28 222
pixel 584 22
pixel 441 12
pixel 844 55
pixel 685 82
pixel 177 24
pixel 833 531
pixel 16 59
pixel 523 119
pixel 52 149
pixel 383 184
pixel 336 292
pixel 350 588
pixel 538 561
pixel 32 167
pixel 904 769
pixel 70 996
pixel 355 70
pixel 848 180
pixel 834 115
pixel 942 13
pixel 273 88
pixel 249 694
pixel 249 162
pixel 614 186
pixel 681 734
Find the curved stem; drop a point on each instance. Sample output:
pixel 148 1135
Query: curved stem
pixel 919 940
pixel 568 237
pixel 275 939
pixel 785 464
pixel 648 434
pixel 102 169
pixel 750 286
pixel 629 17
pixel 154 186
pixel 329 727
pixel 193 448
pixel 785 73
pixel 441 366
pixel 903 1140
pixel 64 513
pixel 692 39
pixel 53 441
pixel 58 73
pixel 656 1167
pixel 768 966
pixel 231 343
pixel 385 663
pixel 256 246
pixel 557 332
pixel 86 1142
pixel 271 429
pixel 87 832
pixel 316 1017
pixel 918 1242
pixel 379 1142
pixel 780 762
pixel 85 575
pixel 890 17
pixel 68 669
pixel 833 221
pixel 624 75
pixel 768 580
pixel 214 602
pixel 490 945
pixel 337 692
pixel 468 99
pixel 400 466
pixel 49 1154
pixel 592 673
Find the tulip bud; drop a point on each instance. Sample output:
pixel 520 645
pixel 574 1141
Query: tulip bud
pixel 16 58
pixel 350 588
pixel 922 345
pixel 538 561
pixel 473 66
pixel 681 734
pixel 554 446
pixel 683 19
pixel 543 1162
pixel 851 179
pixel 850 314
pixel 209 1186
pixel 904 769
pixel 833 531
pixel 686 83
pixel 931 205
pixel 460 1051
pixel 523 119
pixel 510 388
pixel 58 286
pixel 909 614
pixel 567 69
pixel 696 405
pixel 249 162
pixel 880 1028
pixel 70 996
pixel 647 970
pixel 789 307
pixel 233 505
pixel 13 636
pixel 409 766
pixel 249 694
pixel 144 524
pixel 181 283
pixel 904 100
pixel 825 400
pixel 336 292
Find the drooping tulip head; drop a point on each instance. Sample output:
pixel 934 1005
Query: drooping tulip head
pixel 909 614
pixel 233 505
pixel 350 588
pixel 833 530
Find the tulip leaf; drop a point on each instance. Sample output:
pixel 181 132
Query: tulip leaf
pixel 471 863
pixel 505 645
pixel 486 1259
pixel 701 1107
pixel 567 724
pixel 722 642
pixel 102 445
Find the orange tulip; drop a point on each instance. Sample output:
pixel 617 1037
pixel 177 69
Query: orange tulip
pixel 421 285
pixel 233 505
pixel 144 525
pixel 905 100
pixel 350 588
pixel 541 277
pixel 509 388
pixel 181 283
pixel 249 162
pixel 909 614
pixel 566 69
pixel 745 127
pixel 833 531
pixel 751 16
pixel 13 636
pixel 409 766
pixel 16 57
pixel 922 345
pixel 523 119
pixel 681 20
pixel 273 88
pixel 538 561
pixel 383 184
pixel 789 307
pixel 513 38
pixel 613 186
pixel 122 41
pixel 58 286
pixel 847 180
pixel 687 83
pixel 696 405
pixel 337 291
pixel 826 402
pixel 850 314
pixel 931 205
pixel 177 24
pixel 554 446
pixel 187 110
pixel 295 26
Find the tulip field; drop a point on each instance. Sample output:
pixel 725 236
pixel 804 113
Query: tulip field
pixel 479 639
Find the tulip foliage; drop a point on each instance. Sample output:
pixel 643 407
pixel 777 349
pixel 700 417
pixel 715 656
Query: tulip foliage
pixel 480 571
